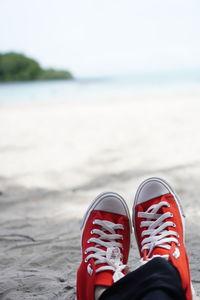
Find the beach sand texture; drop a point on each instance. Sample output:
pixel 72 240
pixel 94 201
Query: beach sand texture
pixel 56 158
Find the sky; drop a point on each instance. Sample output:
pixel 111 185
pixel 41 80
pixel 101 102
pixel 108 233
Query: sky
pixel 104 37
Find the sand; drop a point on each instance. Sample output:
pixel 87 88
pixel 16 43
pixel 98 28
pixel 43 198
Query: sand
pixel 55 158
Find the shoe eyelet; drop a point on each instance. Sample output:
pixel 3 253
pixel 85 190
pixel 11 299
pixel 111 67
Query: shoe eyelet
pixel 85 252
pixel 86 260
pixel 178 236
pixel 174 225
pixel 88 241
pixel 178 244
pixel 168 205
pixel 171 215
pixel 91 232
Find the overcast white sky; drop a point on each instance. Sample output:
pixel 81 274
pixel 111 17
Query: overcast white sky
pixel 104 37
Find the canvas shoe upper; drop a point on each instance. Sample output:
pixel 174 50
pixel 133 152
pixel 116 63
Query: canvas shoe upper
pixel 158 222
pixel 105 244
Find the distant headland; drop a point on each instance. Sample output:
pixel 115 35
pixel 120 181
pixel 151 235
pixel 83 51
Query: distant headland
pixel 19 67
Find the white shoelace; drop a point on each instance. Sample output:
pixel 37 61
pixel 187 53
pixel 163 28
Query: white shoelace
pixel 112 256
pixel 158 235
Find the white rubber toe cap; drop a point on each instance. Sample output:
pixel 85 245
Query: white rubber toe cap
pixel 151 188
pixel 110 202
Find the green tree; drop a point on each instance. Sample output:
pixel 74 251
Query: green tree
pixel 49 74
pixel 18 67
pixel 14 67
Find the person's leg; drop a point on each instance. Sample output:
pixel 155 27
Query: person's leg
pixel 105 245
pixel 158 221
pixel 158 294
pixel 157 279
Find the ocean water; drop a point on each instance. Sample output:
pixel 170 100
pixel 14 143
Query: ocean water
pixel 62 90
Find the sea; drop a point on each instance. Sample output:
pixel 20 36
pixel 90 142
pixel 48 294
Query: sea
pixel 98 87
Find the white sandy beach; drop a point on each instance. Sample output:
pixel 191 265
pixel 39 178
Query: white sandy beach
pixel 56 158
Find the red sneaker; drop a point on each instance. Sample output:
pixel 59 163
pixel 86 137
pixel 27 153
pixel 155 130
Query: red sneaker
pixel 105 244
pixel 158 221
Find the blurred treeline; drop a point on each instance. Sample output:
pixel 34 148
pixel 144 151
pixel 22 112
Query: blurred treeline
pixel 18 67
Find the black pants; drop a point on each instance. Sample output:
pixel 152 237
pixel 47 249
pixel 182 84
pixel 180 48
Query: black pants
pixel 157 279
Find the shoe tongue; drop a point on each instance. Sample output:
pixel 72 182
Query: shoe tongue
pixel 104 278
pixel 159 251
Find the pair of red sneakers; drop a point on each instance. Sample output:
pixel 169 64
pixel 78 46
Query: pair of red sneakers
pixel 158 222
